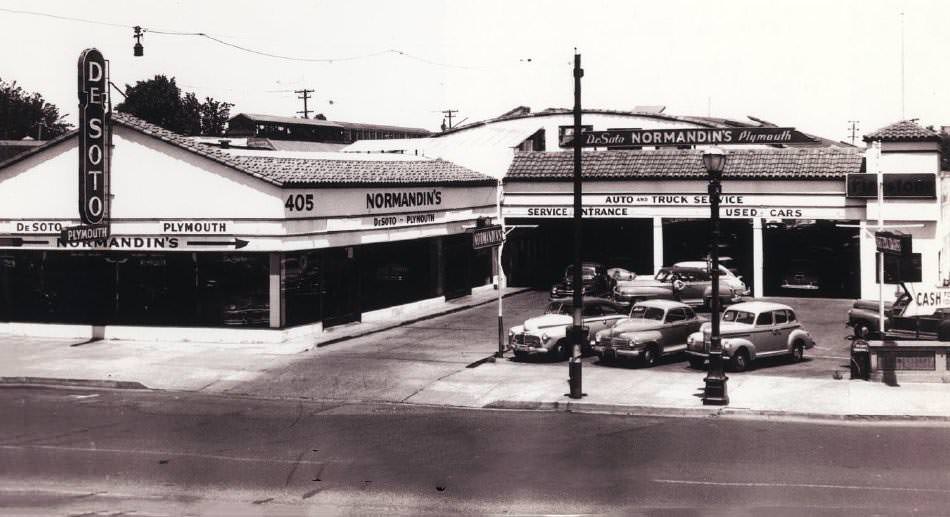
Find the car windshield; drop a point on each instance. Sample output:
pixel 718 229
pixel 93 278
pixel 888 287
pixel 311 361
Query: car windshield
pixel 738 316
pixel 639 312
pixel 558 308
pixel 662 275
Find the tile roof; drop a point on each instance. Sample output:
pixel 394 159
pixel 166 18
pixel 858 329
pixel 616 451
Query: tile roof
pixel 813 163
pixel 303 172
pixel 903 131
pixel 257 117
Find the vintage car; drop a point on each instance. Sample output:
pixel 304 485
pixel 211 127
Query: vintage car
pixel 690 285
pixel 801 275
pixel 726 275
pixel 595 278
pixel 654 328
pixel 752 330
pixel 903 318
pixel 546 334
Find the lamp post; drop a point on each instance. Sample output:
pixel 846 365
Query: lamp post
pixel 714 160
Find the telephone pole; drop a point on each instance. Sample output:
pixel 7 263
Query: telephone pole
pixel 305 94
pixel 853 127
pixel 448 115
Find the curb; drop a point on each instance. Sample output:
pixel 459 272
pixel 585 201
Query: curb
pixel 416 320
pixel 13 382
pixel 721 412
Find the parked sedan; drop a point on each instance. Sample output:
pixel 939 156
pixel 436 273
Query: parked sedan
pixel 546 334
pixel 752 330
pixel 655 328
pixel 594 278
pixel 690 285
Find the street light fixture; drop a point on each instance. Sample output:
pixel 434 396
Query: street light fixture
pixel 714 159
pixel 138 50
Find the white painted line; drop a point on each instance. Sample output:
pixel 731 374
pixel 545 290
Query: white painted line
pixel 801 485
pixel 168 454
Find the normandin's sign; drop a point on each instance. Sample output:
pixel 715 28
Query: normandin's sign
pixel 487 237
pixel 683 137
pixel 93 128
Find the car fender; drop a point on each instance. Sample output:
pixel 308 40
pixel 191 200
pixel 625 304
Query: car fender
pixel 644 336
pixel 732 344
pixel 800 335
pixel 724 289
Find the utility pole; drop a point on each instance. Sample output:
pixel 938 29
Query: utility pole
pixel 448 115
pixel 853 127
pixel 305 94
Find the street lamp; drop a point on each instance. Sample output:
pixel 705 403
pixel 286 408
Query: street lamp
pixel 137 49
pixel 714 160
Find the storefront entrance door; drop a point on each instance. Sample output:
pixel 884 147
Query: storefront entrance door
pixel 341 294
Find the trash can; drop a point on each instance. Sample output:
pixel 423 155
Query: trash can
pixel 860 360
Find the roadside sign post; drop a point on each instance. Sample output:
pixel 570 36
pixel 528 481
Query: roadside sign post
pixel 494 237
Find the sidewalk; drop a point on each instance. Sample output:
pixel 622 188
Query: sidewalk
pixel 505 384
pixel 619 390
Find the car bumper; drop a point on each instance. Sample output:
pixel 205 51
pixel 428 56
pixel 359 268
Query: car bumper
pixel 806 287
pixel 705 355
pixel 611 352
pixel 522 349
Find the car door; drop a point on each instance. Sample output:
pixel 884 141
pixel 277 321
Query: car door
pixel 784 325
pixel 766 336
pixel 675 331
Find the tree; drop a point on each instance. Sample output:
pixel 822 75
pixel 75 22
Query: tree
pixel 28 114
pixel 160 101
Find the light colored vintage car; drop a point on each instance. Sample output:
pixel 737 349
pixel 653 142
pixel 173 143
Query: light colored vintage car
pixel 654 328
pixel 546 334
pixel 690 285
pixel 752 330
pixel 726 276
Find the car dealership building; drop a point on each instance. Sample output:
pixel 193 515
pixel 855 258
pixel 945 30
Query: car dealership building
pixel 790 226
pixel 202 242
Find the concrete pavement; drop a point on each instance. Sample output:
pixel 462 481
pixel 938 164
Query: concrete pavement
pixel 420 363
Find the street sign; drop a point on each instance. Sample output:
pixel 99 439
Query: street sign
pixel 680 137
pixel 487 237
pixel 84 233
pixel 896 186
pixel 888 243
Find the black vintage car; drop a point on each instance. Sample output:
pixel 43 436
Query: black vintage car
pixel 596 282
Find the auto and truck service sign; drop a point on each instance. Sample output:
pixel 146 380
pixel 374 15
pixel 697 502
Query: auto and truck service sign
pixel 93 150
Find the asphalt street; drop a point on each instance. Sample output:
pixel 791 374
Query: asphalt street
pixel 79 452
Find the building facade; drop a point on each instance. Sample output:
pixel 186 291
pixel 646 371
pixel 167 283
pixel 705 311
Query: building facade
pixel 207 245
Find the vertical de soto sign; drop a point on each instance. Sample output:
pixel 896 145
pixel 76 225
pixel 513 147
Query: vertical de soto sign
pixel 93 149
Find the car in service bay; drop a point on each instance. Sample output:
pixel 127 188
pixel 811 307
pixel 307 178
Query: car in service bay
pixel 594 278
pixel 653 329
pixel 546 334
pixel 750 331
pixel 690 285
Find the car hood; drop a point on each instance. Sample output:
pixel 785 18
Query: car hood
pixel 547 321
pixel 637 325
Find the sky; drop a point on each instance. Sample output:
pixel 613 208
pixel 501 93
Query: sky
pixel 813 65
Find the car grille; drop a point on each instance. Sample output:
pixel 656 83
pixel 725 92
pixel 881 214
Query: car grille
pixel 619 342
pixel 519 339
pixel 532 341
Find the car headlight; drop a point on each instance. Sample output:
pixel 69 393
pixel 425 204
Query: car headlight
pixel 545 337
pixel 690 341
pixel 511 332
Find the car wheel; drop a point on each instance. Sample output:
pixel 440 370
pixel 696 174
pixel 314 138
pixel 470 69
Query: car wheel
pixel 862 330
pixel 697 363
pixel 798 352
pixel 648 358
pixel 740 361
pixel 520 356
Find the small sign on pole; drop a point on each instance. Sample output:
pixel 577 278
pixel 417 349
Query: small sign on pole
pixel 487 237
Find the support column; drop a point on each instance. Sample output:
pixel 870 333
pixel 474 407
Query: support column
pixel 657 244
pixel 276 307
pixel 758 252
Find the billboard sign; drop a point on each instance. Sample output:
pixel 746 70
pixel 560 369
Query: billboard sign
pixel 93 129
pixel 687 137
